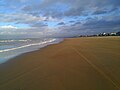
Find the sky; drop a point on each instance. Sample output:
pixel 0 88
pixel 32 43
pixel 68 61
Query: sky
pixel 58 18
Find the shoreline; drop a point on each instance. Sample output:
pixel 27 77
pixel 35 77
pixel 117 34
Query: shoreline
pixel 19 55
pixel 53 44
pixel 71 64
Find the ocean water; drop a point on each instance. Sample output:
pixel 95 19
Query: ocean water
pixel 10 48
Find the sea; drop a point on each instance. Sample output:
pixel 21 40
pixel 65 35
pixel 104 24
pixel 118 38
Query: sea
pixel 10 48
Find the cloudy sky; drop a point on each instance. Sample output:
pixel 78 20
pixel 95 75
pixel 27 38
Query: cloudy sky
pixel 58 18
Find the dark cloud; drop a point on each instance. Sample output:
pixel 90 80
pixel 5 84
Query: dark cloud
pixel 76 23
pixel 99 12
pixel 91 26
pixel 94 26
pixel 39 24
pixel 61 23
pixel 71 21
pixel 102 23
pixel 73 7
pixel 74 12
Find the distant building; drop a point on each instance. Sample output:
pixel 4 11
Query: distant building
pixel 113 34
pixel 118 33
pixel 102 34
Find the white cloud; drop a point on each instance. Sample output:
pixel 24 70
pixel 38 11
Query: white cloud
pixel 20 18
pixel 8 27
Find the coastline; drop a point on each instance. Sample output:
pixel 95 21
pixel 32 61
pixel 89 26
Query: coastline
pixel 31 50
pixel 69 65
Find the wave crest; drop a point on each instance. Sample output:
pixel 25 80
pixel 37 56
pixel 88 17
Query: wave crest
pixel 41 43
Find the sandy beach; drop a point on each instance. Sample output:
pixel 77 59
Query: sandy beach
pixel 91 63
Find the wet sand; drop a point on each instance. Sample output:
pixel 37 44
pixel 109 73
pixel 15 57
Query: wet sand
pixel 75 64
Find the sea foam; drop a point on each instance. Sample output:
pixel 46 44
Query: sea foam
pixel 15 47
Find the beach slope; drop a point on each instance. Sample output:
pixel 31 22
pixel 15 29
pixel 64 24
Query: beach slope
pixel 75 64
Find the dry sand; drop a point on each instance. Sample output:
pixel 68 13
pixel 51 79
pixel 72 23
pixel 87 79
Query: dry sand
pixel 74 64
